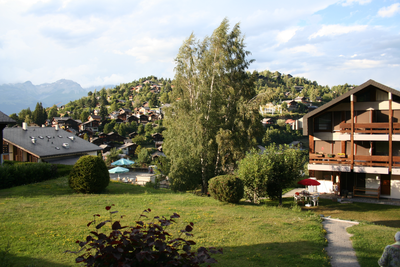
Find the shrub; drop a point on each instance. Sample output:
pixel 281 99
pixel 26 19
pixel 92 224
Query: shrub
pixel 144 244
pixel 226 188
pixel 16 174
pixel 89 175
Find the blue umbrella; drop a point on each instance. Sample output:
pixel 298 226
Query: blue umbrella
pixel 118 170
pixel 121 162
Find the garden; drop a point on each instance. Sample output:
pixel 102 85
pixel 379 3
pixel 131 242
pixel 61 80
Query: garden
pixel 40 221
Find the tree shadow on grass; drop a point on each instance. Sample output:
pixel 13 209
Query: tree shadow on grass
pixel 389 223
pixel 12 260
pixel 302 253
pixel 60 187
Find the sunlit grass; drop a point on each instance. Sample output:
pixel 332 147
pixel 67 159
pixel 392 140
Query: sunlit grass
pixel 43 220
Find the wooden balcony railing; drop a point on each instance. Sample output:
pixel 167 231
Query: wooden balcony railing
pixel 367 161
pixel 370 128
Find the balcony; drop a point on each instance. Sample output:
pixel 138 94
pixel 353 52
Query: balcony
pixel 362 161
pixel 370 128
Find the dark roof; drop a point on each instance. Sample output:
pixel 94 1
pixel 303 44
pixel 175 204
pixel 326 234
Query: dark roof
pixel 47 139
pixel 4 119
pixel 344 96
pixel 61 118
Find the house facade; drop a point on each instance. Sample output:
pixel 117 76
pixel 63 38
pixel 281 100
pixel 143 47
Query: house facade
pixel 354 142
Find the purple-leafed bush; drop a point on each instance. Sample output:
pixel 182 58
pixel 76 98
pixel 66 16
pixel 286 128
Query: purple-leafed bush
pixel 144 244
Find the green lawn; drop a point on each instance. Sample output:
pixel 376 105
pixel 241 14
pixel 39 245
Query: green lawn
pixel 41 221
pixel 378 224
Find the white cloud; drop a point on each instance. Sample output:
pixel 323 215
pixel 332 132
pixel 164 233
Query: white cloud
pixel 286 35
pixel 390 11
pixel 148 49
pixel 308 48
pixel 332 30
pixel 362 64
pixel 360 2
pixel 353 56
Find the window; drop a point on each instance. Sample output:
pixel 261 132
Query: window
pixel 323 123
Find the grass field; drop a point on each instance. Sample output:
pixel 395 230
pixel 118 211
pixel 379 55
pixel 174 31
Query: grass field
pixel 39 222
pixel 378 224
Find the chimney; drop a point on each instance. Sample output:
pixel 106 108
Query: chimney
pixel 33 140
pixel 24 126
pixel 57 127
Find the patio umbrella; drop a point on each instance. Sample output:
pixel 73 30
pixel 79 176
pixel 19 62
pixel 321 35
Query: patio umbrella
pixel 121 162
pixel 309 182
pixel 118 170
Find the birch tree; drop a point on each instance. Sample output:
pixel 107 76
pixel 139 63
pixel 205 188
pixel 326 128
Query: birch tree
pixel 211 124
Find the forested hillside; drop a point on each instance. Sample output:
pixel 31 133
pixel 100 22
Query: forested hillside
pixel 270 87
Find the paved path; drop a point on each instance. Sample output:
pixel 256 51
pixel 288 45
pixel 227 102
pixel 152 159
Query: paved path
pixel 340 248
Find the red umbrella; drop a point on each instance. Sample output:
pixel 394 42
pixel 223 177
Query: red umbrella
pixel 309 182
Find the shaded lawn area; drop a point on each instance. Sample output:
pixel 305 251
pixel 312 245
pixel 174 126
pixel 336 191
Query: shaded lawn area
pixel 40 221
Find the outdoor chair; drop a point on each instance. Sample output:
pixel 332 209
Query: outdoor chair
pixel 298 198
pixel 315 199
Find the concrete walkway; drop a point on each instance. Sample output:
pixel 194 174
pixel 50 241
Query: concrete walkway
pixel 340 248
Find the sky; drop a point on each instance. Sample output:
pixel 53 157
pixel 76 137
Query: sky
pixel 98 42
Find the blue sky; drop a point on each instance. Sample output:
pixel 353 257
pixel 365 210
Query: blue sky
pixel 96 42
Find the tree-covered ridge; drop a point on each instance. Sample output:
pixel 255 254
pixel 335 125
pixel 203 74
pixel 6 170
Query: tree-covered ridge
pixel 269 87
pixel 274 87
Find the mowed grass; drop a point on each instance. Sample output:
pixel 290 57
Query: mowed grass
pixel 378 224
pixel 39 222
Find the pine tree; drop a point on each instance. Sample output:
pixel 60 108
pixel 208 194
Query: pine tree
pixel 39 115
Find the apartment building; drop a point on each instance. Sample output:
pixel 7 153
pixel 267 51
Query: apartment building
pixel 354 142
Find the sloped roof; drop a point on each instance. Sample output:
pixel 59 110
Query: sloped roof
pixel 344 96
pixel 4 119
pixel 47 141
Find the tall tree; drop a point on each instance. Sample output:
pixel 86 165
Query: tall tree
pixel 103 113
pixel 212 125
pixel 39 115
pixel 53 112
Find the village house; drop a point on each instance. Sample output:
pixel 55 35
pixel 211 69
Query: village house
pixel 354 142
pixel 92 126
pixel 270 108
pixel 45 144
pixel 4 120
pixel 94 118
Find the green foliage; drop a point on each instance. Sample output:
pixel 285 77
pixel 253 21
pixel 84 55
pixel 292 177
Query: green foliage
pixel 226 188
pixel 270 172
pixel 53 112
pixel 143 244
pixel 89 175
pixel 281 123
pixel 279 135
pixel 113 155
pixel 39 115
pixel 140 129
pixel 148 128
pixel 13 174
pixel 139 140
pixel 213 124
pixel 144 156
pixel 84 116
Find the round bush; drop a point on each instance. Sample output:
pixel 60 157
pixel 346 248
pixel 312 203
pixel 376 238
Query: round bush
pixel 226 188
pixel 89 175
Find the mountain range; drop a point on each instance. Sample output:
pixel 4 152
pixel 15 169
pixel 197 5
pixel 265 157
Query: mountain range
pixel 18 96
